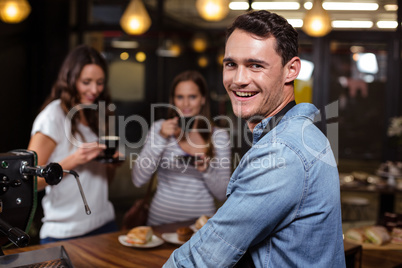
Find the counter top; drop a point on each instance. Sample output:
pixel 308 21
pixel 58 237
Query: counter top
pixel 106 251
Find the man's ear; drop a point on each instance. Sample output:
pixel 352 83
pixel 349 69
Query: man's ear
pixel 293 67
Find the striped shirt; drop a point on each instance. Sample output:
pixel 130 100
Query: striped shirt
pixel 183 192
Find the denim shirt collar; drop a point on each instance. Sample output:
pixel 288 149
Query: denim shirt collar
pixel 301 109
pixel 259 128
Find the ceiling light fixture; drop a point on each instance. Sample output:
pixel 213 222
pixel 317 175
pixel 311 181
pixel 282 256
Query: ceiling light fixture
pixel 202 61
pixel 387 24
pixel 350 6
pixel 352 24
pixel 140 56
pixel 239 6
pixel 124 44
pixel 275 5
pixel 308 5
pixel 14 11
pixel 296 23
pixel 135 19
pixel 212 10
pixel 391 7
pixel 317 21
pixel 124 56
pixel 199 42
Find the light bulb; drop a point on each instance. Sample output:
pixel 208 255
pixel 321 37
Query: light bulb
pixel 317 22
pixel 212 10
pixel 14 11
pixel 199 42
pixel 140 56
pixel 135 19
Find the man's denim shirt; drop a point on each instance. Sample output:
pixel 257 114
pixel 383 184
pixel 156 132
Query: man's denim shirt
pixel 283 203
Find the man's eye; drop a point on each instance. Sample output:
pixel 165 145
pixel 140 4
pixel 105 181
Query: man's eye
pixel 229 64
pixel 256 66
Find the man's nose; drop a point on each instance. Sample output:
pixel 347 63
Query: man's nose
pixel 242 76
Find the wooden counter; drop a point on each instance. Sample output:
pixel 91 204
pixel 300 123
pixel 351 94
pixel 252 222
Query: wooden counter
pixel 106 251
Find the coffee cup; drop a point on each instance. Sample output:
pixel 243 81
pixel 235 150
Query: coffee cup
pixel 186 123
pixel 112 143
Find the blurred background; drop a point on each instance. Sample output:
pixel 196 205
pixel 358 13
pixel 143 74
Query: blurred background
pixel 356 62
pixel 351 67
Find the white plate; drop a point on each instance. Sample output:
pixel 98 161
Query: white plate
pixel 172 238
pixel 156 241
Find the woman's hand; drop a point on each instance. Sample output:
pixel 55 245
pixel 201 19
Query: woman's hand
pixel 169 127
pixel 44 147
pixel 201 162
pixel 87 152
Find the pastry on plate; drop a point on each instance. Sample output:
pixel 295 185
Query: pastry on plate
pixel 356 235
pixel 377 235
pixel 201 221
pixel 184 233
pixel 139 235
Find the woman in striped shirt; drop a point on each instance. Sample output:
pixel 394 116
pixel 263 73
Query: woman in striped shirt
pixel 194 166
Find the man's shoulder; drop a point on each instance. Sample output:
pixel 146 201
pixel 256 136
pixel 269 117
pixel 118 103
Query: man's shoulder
pixel 302 110
pixel 300 118
pixel 298 132
pixel 301 132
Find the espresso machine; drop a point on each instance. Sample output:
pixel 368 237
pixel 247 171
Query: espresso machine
pixel 18 198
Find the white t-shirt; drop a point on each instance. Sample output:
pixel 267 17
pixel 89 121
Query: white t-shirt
pixel 63 207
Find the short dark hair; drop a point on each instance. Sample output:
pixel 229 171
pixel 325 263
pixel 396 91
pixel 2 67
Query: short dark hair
pixel 264 24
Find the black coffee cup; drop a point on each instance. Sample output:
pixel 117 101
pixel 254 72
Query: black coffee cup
pixel 186 123
pixel 112 143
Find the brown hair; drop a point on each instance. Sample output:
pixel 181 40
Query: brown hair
pixel 264 24
pixel 199 80
pixel 65 86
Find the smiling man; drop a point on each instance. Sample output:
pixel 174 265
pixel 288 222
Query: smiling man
pixel 258 81
pixel 285 215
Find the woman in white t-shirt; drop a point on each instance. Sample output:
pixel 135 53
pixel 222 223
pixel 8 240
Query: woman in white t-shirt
pixel 66 131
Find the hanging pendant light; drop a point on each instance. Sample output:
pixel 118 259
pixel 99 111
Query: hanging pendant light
pixel 199 42
pixel 14 11
pixel 212 10
pixel 317 21
pixel 135 19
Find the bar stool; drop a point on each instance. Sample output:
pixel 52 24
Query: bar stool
pixel 354 208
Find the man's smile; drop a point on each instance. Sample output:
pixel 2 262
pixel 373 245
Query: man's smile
pixel 245 94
